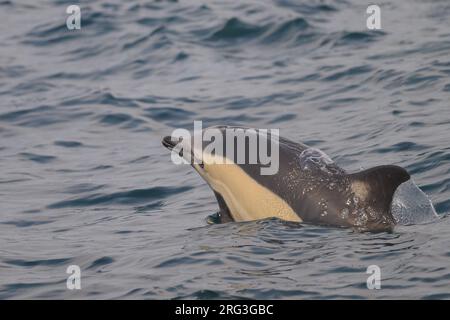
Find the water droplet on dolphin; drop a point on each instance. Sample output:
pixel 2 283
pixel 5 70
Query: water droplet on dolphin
pixel 344 213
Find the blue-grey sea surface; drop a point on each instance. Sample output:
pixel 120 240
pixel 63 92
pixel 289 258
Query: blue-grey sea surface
pixel 84 179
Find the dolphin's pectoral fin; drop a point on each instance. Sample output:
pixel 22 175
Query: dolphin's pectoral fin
pixel 224 214
pixel 375 187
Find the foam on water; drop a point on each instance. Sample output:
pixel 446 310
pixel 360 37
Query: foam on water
pixel 410 205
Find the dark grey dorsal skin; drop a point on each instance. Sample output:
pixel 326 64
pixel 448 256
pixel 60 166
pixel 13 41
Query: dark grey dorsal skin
pixel 320 192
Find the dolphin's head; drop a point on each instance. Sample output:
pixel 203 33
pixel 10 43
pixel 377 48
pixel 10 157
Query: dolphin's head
pixel 239 193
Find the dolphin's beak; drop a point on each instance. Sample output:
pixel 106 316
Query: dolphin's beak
pixel 169 142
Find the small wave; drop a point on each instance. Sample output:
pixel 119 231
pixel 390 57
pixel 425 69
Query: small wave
pixel 432 159
pixel 168 114
pixel 83 187
pixel 443 206
pixel 349 37
pixel 350 72
pixel 18 115
pixel 68 144
pixel 283 118
pixel 41 116
pixel 26 223
pixel 296 31
pixel 131 197
pixel 14 71
pixel 100 262
pixel 142 39
pixel 287 31
pixel 39 158
pixel 181 56
pixel 402 146
pixel 124 119
pixel 308 7
pixel 36 263
pixel 101 97
pixel 235 29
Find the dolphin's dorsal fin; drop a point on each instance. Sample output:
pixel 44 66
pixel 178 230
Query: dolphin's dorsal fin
pixel 376 186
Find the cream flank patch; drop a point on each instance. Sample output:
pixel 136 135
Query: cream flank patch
pixel 360 189
pixel 246 199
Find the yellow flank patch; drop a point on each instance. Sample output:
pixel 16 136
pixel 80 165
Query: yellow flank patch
pixel 360 189
pixel 246 199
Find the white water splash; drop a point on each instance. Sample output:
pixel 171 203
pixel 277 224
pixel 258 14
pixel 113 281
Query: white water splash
pixel 410 205
pixel 314 157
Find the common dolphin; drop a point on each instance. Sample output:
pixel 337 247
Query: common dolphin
pixel 308 187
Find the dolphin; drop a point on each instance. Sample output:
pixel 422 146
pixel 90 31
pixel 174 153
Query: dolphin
pixel 308 186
